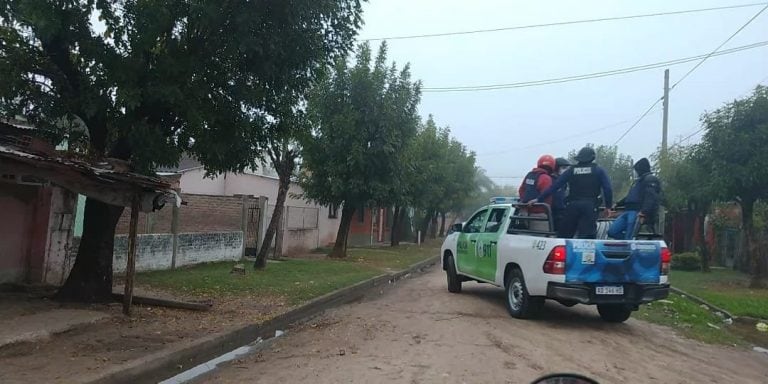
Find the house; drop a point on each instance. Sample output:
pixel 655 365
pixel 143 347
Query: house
pixel 38 194
pixel 304 226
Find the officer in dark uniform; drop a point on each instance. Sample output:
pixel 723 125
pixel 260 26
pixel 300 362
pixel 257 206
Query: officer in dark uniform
pixel 558 198
pixel 641 203
pixel 584 180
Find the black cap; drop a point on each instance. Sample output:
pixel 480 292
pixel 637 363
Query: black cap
pixel 562 162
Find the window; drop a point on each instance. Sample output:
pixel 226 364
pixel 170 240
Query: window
pixel 494 220
pixel 475 224
pixel 333 211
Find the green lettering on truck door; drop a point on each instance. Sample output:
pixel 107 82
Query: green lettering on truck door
pixel 466 245
pixel 488 244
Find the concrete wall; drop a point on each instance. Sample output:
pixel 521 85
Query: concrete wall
pixel 261 185
pixel 17 205
pixel 154 251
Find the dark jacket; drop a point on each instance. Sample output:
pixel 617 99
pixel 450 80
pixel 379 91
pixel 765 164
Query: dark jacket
pixel 534 183
pixel 591 178
pixel 645 193
pixel 558 198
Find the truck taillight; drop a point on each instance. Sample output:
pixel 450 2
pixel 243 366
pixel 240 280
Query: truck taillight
pixel 666 258
pixel 555 263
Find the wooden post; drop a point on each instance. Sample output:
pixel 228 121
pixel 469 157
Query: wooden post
pixel 130 268
pixel 175 233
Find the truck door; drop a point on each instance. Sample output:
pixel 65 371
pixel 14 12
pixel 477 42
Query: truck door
pixel 488 243
pixel 466 245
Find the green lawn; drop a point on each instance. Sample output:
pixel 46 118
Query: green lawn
pixel 689 318
pixel 726 289
pixel 294 280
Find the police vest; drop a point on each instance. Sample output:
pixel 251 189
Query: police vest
pixel 530 183
pixel 584 183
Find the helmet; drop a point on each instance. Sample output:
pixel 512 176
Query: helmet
pixel 586 155
pixel 562 162
pixel 546 162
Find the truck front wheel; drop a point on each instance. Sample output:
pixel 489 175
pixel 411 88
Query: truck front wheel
pixel 454 280
pixel 614 313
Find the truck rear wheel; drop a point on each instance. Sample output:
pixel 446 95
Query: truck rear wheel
pixel 454 281
pixel 614 313
pixel 519 303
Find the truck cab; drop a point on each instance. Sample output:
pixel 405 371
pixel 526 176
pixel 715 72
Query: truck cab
pixel 496 246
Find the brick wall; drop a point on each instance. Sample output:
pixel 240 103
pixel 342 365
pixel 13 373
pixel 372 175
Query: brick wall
pixel 201 213
pixel 154 251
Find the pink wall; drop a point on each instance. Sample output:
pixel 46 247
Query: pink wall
pixel 16 205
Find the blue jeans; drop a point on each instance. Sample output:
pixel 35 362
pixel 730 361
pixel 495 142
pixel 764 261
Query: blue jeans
pixel 624 226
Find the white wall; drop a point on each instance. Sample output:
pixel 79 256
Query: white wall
pixel 193 181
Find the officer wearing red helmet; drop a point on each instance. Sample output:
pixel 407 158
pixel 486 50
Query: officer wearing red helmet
pixel 535 182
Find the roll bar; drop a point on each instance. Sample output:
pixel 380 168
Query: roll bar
pixel 518 219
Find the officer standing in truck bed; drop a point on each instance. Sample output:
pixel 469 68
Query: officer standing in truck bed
pixel 585 181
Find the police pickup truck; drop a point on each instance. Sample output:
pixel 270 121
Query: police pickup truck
pixel 494 246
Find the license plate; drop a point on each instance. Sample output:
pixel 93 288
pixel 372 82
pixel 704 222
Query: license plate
pixel 610 290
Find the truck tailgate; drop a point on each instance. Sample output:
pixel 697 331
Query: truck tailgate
pixel 605 261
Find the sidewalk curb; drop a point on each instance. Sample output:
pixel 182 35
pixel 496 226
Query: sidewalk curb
pixel 701 301
pixel 169 362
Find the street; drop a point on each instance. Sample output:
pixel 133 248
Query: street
pixel 417 332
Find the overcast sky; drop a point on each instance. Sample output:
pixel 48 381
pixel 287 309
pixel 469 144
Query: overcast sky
pixel 497 125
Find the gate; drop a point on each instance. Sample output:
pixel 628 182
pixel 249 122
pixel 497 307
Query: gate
pixel 252 228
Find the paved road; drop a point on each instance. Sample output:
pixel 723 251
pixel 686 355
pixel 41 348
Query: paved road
pixel 420 333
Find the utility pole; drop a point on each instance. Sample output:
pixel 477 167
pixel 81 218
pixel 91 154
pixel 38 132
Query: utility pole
pixel 665 119
pixel 663 156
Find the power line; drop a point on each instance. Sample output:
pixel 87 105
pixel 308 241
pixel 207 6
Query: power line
pixel 691 71
pixel 593 75
pixel 560 23
pixel 638 120
pixel 543 143
pixel 718 47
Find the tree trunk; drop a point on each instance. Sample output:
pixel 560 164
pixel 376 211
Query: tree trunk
pixel 703 249
pixel 340 247
pixel 442 224
pixel 425 224
pixel 747 209
pixel 394 235
pixel 433 226
pixel 282 192
pixel 90 280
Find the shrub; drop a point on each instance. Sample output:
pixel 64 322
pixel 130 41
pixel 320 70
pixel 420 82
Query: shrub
pixel 688 261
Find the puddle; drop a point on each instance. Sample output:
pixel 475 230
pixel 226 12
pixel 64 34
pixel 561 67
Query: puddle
pixel 210 365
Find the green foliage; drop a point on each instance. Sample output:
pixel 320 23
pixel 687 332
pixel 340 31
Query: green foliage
pixel 364 117
pixel 617 165
pixel 686 181
pixel 438 169
pixel 166 77
pixel 735 141
pixel 688 261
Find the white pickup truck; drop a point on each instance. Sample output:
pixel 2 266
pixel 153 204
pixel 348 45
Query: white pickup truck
pixel 494 246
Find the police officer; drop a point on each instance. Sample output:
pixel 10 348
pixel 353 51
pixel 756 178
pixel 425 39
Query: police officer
pixel 584 180
pixel 535 182
pixel 641 203
pixel 558 198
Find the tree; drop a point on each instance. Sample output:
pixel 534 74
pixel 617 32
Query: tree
pixel 735 141
pixel 283 150
pixel 688 188
pixel 161 79
pixel 362 116
pixel 617 165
